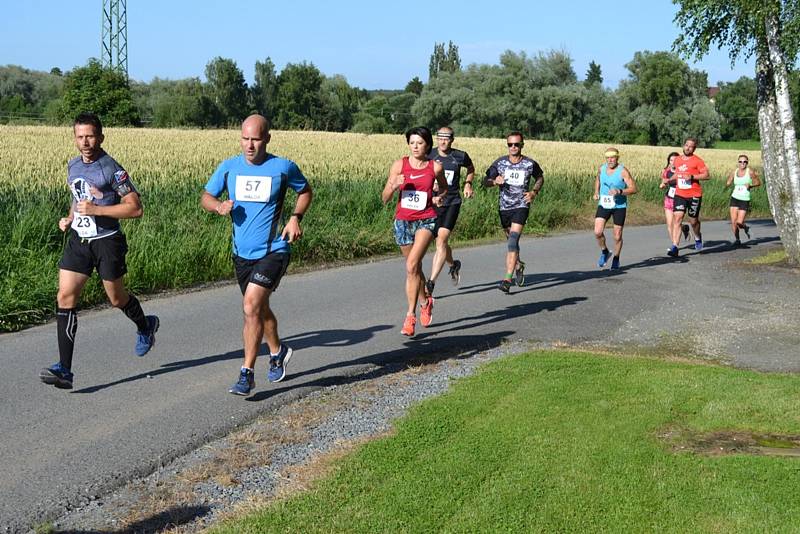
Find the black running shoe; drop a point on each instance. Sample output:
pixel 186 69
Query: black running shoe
pixel 57 375
pixel 455 272
pixel 505 285
pixel 519 273
pixel 429 285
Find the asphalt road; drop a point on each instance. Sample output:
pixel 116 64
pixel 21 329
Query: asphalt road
pixel 128 415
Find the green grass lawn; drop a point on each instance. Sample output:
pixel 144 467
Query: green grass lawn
pixel 566 442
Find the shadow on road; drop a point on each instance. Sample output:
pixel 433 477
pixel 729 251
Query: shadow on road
pixel 174 517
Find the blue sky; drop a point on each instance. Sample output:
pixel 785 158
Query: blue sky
pixel 373 44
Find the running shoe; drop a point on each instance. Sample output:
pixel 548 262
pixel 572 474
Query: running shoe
pixel 519 273
pixel 408 325
pixel 605 255
pixel 429 285
pixel 685 231
pixel 615 264
pixel 455 272
pixel 57 375
pixel 672 251
pixel 746 231
pixel 246 382
pixel 505 285
pixel 146 340
pixel 277 364
pixel 698 244
pixel 737 244
pixel 426 312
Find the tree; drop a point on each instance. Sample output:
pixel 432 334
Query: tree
pixel 228 90
pixel 770 29
pixel 594 76
pixel 415 86
pixel 265 88
pixel 444 61
pixel 298 98
pixel 100 90
pixel 736 104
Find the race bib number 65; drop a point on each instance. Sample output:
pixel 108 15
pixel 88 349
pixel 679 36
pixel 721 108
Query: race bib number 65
pixel 514 177
pixel 253 188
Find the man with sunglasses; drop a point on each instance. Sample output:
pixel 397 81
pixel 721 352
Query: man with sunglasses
pixel 689 171
pixel 452 161
pixel 513 174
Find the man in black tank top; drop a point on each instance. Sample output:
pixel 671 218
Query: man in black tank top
pixel 452 161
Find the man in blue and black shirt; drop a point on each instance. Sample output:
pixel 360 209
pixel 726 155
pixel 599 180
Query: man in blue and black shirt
pixel 255 183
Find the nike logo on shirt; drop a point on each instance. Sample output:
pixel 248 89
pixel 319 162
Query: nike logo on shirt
pixel 415 177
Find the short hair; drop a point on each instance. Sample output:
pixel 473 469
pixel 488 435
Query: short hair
pixel 516 133
pixel 745 156
pixel 421 131
pixel 691 139
pixel 89 118
pixel 669 157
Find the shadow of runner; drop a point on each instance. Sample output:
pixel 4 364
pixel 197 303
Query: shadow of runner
pixel 173 517
pixel 318 338
pixel 415 352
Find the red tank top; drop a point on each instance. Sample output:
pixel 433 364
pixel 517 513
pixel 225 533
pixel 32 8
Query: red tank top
pixel 416 193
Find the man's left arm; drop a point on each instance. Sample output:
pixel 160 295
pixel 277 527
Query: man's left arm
pixel 129 207
pixel 703 173
pixel 538 175
pixel 292 231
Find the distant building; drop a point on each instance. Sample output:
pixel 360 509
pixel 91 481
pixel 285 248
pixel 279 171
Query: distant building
pixel 712 93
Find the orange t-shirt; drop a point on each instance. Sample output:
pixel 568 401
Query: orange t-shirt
pixel 684 168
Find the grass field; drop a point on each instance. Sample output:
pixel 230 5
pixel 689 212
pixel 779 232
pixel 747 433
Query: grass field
pixel 570 442
pixel 178 245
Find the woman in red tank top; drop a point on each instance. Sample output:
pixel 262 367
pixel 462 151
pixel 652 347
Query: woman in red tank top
pixel 415 217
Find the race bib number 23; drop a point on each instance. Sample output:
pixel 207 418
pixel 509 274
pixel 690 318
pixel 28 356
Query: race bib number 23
pixel 253 188
pixel 84 225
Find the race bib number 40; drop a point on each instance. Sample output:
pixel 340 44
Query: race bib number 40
pixel 253 188
pixel 514 177
pixel 84 225
pixel 414 200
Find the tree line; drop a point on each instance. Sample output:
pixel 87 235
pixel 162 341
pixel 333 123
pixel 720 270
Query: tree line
pixel 660 102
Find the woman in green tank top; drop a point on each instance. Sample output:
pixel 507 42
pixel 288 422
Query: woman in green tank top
pixel 743 180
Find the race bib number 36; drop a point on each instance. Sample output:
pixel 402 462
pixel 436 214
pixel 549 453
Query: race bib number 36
pixel 514 177
pixel 253 188
pixel 414 200
pixel 84 225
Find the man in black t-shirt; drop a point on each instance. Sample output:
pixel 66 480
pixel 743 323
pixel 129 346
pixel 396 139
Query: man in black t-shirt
pixel 452 161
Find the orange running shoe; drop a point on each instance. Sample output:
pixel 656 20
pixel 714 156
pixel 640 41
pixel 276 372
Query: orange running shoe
pixel 426 312
pixel 408 325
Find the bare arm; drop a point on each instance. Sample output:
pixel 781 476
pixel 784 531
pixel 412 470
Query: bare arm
pixel 65 222
pixel 292 231
pixel 597 186
pixel 212 204
pixel 441 181
pixel 755 178
pixel 129 207
pixel 468 181
pixel 729 181
pixel 394 181
pixel 631 188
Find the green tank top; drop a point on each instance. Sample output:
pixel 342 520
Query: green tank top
pixel 740 183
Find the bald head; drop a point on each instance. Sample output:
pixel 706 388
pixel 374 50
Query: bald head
pixel 255 136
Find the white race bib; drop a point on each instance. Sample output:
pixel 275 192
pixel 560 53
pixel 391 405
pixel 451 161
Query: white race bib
pixel 684 183
pixel 607 201
pixel 413 200
pixel 253 188
pixel 449 176
pixel 514 176
pixel 740 190
pixel 671 192
pixel 84 225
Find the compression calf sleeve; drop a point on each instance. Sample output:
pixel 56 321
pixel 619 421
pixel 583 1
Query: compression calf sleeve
pixel 66 326
pixel 133 310
pixel 513 241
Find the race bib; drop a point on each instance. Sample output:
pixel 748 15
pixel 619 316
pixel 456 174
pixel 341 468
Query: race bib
pixel 449 176
pixel 514 177
pixel 253 188
pixel 740 190
pixel 671 192
pixel 607 201
pixel 413 200
pixel 684 183
pixel 84 225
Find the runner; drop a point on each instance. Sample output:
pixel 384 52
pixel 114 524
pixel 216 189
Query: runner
pixel 415 218
pixel 512 174
pixel 103 193
pixel 668 183
pixel 612 186
pixel 452 161
pixel 689 171
pixel 256 183
pixel 743 179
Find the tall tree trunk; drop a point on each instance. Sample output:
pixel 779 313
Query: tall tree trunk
pixel 779 141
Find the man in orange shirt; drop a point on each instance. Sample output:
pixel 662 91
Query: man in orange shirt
pixel 689 171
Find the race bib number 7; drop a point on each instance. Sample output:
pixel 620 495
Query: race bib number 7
pixel 253 188
pixel 514 177
pixel 449 176
pixel 413 200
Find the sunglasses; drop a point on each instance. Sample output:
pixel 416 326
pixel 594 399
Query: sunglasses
pixel 518 145
pixel 740 161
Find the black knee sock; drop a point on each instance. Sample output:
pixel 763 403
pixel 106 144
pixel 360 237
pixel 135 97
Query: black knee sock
pixel 66 325
pixel 133 310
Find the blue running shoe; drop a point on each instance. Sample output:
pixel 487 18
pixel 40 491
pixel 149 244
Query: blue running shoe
pixel 673 251
pixel 57 375
pixel 698 244
pixel 247 381
pixel 277 364
pixel 146 340
pixel 615 264
pixel 605 255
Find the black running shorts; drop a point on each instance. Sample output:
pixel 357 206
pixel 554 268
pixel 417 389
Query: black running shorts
pixel 106 254
pixel 518 215
pixel 617 213
pixel 743 205
pixel 689 205
pixel 446 217
pixel 265 272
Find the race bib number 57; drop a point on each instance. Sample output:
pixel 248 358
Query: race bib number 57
pixel 253 188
